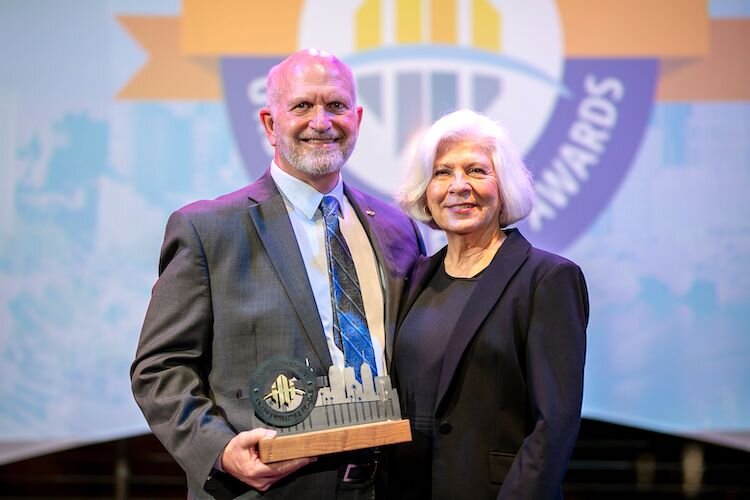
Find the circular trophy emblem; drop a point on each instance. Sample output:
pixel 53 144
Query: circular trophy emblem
pixel 283 391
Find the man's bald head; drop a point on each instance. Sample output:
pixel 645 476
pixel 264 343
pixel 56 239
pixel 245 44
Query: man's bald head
pixel 305 60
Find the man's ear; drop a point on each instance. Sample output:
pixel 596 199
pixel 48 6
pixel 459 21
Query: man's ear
pixel 267 120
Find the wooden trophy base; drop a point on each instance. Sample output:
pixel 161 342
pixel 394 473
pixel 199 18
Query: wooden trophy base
pixel 338 439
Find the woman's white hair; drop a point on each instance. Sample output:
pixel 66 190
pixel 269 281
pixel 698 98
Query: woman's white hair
pixel 514 179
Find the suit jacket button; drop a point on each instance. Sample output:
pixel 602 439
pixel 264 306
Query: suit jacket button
pixel 445 427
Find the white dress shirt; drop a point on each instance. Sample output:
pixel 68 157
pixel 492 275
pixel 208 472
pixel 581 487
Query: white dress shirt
pixel 302 204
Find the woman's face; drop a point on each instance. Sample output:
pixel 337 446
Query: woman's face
pixel 463 195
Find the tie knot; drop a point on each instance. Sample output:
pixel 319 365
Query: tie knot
pixel 329 206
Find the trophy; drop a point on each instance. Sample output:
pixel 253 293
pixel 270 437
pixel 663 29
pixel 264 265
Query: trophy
pixel 321 415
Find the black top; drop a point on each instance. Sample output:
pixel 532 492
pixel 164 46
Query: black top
pixel 423 338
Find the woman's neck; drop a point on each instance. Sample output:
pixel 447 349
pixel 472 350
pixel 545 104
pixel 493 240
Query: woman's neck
pixel 469 254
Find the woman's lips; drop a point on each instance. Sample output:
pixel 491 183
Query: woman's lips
pixel 461 207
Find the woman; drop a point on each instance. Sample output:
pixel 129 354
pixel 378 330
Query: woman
pixel 490 349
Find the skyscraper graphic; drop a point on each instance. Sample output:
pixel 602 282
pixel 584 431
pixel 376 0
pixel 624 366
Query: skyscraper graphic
pixel 436 32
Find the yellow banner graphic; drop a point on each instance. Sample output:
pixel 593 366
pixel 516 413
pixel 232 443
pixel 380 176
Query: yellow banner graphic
pixel 700 58
pixel 168 74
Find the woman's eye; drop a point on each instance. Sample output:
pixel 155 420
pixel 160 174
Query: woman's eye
pixel 441 172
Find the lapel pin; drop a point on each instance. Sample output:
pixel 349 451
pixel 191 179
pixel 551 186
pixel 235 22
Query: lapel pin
pixel 370 212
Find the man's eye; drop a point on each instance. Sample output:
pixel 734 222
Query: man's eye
pixel 302 105
pixel 337 106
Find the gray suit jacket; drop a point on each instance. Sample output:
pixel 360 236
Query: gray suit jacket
pixel 233 291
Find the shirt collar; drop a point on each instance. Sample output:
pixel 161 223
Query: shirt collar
pixel 301 195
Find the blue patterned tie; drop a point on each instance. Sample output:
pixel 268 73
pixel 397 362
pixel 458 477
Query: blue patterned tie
pixel 350 331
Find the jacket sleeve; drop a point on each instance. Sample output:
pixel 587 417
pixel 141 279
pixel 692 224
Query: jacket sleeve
pixel 170 373
pixel 554 360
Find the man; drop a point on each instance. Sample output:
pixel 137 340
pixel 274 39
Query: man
pixel 245 277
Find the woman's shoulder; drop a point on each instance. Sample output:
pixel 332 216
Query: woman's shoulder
pixel 517 246
pixel 544 258
pixel 543 266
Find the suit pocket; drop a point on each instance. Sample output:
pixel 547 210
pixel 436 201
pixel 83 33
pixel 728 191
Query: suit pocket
pixel 500 465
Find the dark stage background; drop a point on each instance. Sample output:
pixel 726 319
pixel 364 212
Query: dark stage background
pixel 609 462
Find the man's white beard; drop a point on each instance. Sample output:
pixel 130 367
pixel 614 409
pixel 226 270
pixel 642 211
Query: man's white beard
pixel 315 162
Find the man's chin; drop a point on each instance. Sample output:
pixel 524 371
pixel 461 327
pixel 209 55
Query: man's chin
pixel 319 166
pixel 319 170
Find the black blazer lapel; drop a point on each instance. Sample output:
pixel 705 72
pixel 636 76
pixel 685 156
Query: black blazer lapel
pixel 487 293
pixel 423 271
pixel 271 220
pixel 388 252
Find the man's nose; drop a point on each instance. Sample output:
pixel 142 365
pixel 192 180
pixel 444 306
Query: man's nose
pixel 320 120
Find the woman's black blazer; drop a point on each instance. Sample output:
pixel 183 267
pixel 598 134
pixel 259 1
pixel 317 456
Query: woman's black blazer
pixel 509 395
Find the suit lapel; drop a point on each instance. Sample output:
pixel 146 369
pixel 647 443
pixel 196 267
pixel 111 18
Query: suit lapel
pixel 488 291
pixel 424 270
pixel 271 220
pixel 388 252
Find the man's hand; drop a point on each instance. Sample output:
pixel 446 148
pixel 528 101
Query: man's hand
pixel 240 459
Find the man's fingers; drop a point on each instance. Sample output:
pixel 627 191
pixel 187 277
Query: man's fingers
pixel 240 458
pixel 265 475
pixel 289 466
pixel 250 439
